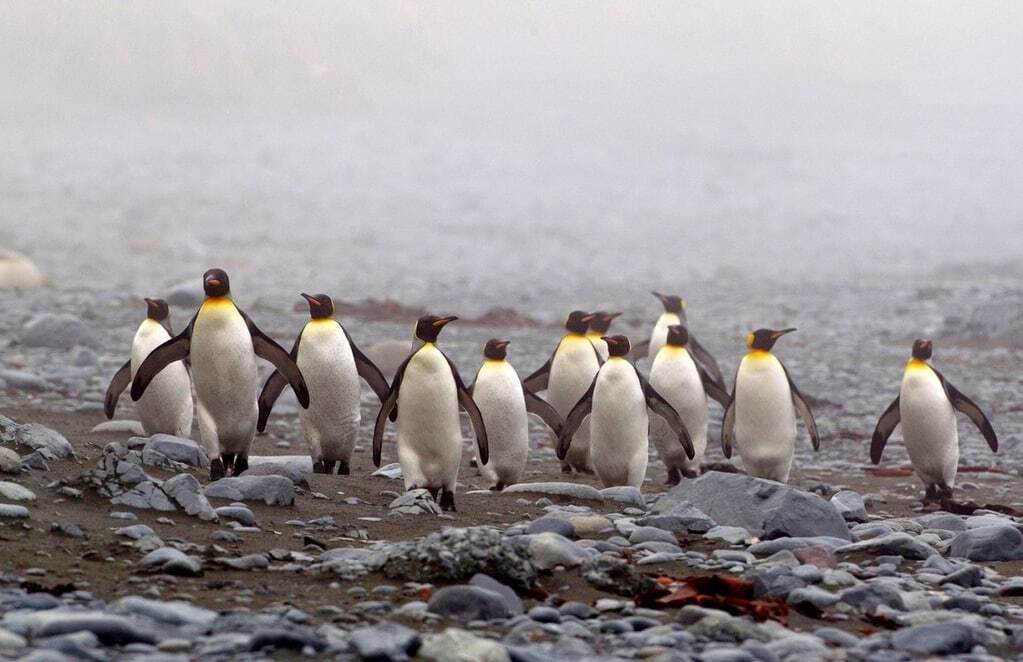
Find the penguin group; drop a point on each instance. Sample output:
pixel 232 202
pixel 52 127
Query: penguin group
pixel 598 403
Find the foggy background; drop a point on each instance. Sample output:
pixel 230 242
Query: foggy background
pixel 494 153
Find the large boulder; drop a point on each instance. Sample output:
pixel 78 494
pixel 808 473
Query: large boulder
pixel 48 442
pixel 173 448
pixel 765 508
pixel 1001 542
pixel 271 490
pixel 57 331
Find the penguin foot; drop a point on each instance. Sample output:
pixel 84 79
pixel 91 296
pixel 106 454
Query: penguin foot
pixel 674 477
pixel 344 468
pixel 565 469
pixel 240 465
pixel 691 473
pixel 498 487
pixel 447 501
pixel 434 492
pixel 228 459
pixel 217 469
pixel 318 467
pixel 328 466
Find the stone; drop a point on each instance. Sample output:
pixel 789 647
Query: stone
pixel 238 514
pixel 172 562
pixel 10 641
pixel 185 490
pixel 135 532
pixel 549 550
pixel 589 526
pixel 850 505
pixel 626 494
pixel 935 639
pixel 21 380
pixel 8 511
pixel 643 534
pixel 15 492
pixel 900 544
pixel 456 645
pixel 815 597
pixel 170 612
pixel 271 490
pixel 575 491
pixel 10 462
pixel 616 575
pixel 735 535
pixel 57 331
pixel 146 495
pixel 392 471
pixel 967 576
pixel 67 529
pixel 765 508
pixel 284 639
pixel 552 524
pixel 131 427
pixel 47 442
pixel 188 294
pixel 279 469
pixel 248 562
pixel 110 629
pixel 174 448
pixel 385 642
pixel 768 547
pixel 466 603
pixel 511 599
pixel 1001 542
pixel 680 517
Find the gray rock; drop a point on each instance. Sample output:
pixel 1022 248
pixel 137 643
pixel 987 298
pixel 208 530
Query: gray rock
pixel 488 583
pixel 457 644
pixel 185 490
pixel 765 508
pixel 10 462
pixel 624 494
pixel 172 562
pixel 815 597
pixel 850 505
pixel 302 464
pixel 680 517
pixel 271 490
pixel 552 524
pixel 734 535
pixel 643 534
pixel 248 562
pixel 288 471
pixel 57 331
pixel 15 492
pixel 68 529
pixel 8 511
pixel 868 597
pixel 110 629
pixel 768 547
pixel 900 544
pixel 187 294
pixel 172 612
pixel 47 442
pixel 177 449
pixel 935 639
pixel 415 502
pixel 466 603
pixel 836 637
pixel 988 543
pixel 385 642
pixel 23 381
pixel 122 425
pixel 238 514
pixel 10 641
pixel 968 576
pixel 391 471
pixel 146 495
pixel 945 521
pixel 577 491
pixel 34 462
pixel 136 532
pixel 549 550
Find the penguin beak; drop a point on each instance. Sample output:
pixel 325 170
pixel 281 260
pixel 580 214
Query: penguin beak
pixel 311 299
pixel 150 301
pixel 213 282
pixel 779 334
pixel 444 320
pixel 501 344
pixel 612 316
pixel 587 319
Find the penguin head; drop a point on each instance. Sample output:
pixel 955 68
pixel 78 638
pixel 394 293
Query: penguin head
pixel 672 303
pixel 922 349
pixel 764 339
pixel 578 321
pixel 157 309
pixel 601 321
pixel 429 326
pixel 321 306
pixel 678 335
pixel 495 349
pixel 617 345
pixel 216 283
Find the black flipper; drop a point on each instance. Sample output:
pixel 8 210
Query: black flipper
pixel 663 408
pixel 972 411
pixel 267 348
pixel 885 426
pixel 121 380
pixel 575 418
pixel 367 369
pixel 175 349
pixel 388 405
pixel 727 427
pixel 715 389
pixel 704 358
pixel 273 388
pixel 640 350
pixel 543 409
pixel 537 381
pixel 804 410
pixel 469 405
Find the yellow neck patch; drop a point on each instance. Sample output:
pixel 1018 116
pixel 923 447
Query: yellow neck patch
pixel 759 355
pixel 674 350
pixel 916 364
pixel 214 302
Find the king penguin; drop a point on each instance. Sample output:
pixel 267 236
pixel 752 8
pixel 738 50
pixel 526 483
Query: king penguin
pixel 675 313
pixel 167 405
pixel 685 384
pixel 565 377
pixel 331 364
pixel 760 417
pixel 598 328
pixel 504 402
pixel 222 343
pixel 616 402
pixel 926 407
pixel 427 392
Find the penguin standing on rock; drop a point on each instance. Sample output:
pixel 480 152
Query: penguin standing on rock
pixel 675 313
pixel 599 325
pixel 426 394
pixel 504 402
pixel 926 407
pixel 222 343
pixel 760 417
pixel 167 405
pixel 331 364
pixel 685 384
pixel 617 401
pixel 565 377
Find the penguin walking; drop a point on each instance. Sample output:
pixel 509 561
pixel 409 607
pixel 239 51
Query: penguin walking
pixel 598 328
pixel 760 417
pixel 617 401
pixel 426 393
pixel 565 377
pixel 504 402
pixel 222 343
pixel 926 407
pixel 685 384
pixel 675 313
pixel 167 405
pixel 331 364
